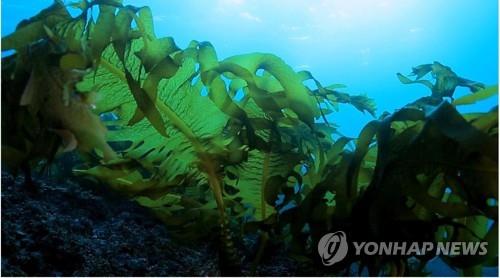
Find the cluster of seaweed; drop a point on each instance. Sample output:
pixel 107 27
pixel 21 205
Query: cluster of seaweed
pixel 242 145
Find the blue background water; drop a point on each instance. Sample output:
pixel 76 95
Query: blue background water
pixel 359 43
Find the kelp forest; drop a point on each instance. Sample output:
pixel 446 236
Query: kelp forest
pixel 221 149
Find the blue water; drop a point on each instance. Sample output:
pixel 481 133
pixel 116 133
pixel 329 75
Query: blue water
pixel 359 43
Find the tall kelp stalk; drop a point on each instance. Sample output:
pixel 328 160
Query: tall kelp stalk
pixel 238 146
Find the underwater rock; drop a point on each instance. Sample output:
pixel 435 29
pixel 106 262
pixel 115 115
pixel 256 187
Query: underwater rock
pixel 75 228
pixel 69 230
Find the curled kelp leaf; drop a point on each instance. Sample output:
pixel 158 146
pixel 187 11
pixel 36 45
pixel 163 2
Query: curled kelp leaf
pixel 446 81
pixel 297 96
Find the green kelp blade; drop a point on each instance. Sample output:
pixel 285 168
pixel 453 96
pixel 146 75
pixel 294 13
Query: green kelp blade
pixel 253 179
pixel 366 137
pixel 125 180
pixel 217 91
pixel 165 200
pixel 406 80
pixel 477 96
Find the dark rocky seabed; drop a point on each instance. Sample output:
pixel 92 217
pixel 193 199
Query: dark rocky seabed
pixel 70 227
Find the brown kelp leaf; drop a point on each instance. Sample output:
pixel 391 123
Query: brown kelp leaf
pixel 154 50
pixel 100 37
pixel 69 142
pixel 120 177
pixel 333 154
pixel 453 125
pixel 490 258
pixel 72 61
pixel 72 34
pixel 25 35
pixel 487 122
pixel 146 104
pixel 422 70
pixel 364 103
pixel 121 31
pixel 446 80
pixel 419 194
pixel 362 146
pixel 420 156
pixel 31 30
pixel 165 69
pixel 29 91
pixel 360 102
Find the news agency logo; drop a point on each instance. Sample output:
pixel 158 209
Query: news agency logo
pixel 333 248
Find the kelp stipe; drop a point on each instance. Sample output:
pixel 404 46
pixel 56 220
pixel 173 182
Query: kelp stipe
pixel 209 145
